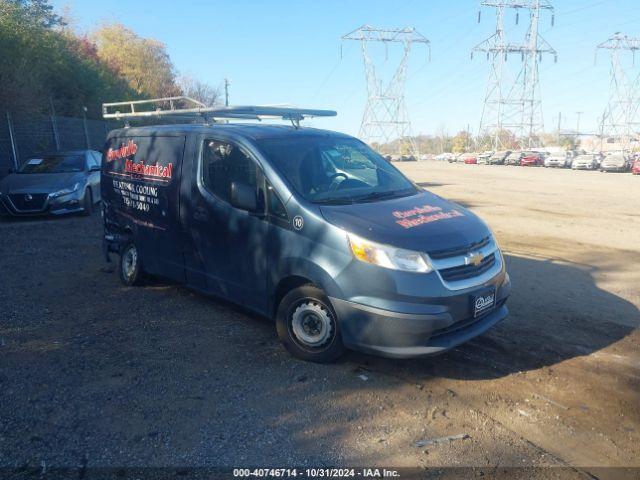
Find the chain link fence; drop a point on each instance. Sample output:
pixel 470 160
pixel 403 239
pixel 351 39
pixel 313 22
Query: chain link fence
pixel 23 136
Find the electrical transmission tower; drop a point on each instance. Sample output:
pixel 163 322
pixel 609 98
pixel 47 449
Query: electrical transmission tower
pixel 619 118
pixel 385 116
pixel 512 104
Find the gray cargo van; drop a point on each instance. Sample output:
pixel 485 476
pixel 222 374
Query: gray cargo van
pixel 311 228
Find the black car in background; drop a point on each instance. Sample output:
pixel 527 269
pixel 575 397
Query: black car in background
pixel 53 183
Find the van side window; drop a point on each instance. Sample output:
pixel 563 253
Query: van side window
pixel 224 163
pixel 276 207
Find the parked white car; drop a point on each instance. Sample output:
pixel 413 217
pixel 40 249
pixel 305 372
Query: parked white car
pixel 484 157
pixel 616 162
pixel 557 160
pixel 444 157
pixel 584 162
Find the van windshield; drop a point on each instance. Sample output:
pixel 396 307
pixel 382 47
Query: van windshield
pixel 335 170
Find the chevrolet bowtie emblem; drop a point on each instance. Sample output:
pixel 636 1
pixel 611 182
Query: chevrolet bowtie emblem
pixel 474 258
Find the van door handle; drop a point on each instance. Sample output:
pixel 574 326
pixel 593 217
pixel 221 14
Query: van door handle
pixel 200 214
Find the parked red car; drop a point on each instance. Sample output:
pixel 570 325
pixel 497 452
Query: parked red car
pixel 471 160
pixel 636 167
pixel 533 159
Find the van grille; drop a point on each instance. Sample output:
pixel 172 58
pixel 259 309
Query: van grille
pixel 454 252
pixel 467 271
pixel 28 202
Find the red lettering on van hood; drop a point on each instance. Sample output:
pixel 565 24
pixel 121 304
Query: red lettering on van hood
pixel 422 222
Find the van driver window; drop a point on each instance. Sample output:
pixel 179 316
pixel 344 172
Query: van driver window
pixel 224 163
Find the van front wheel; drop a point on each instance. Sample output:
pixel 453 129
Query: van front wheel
pixel 307 325
pixel 130 266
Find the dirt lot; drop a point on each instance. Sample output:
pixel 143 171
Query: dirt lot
pixel 96 374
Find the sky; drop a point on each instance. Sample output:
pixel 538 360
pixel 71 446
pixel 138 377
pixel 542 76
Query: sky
pixel 290 52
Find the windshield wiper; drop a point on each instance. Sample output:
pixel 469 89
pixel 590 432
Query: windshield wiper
pixel 381 195
pixel 334 201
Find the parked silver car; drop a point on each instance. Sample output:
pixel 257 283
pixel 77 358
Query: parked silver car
pixel 484 157
pixel 616 162
pixel 514 158
pixel 498 158
pixel 584 162
pixel 561 160
pixel 53 183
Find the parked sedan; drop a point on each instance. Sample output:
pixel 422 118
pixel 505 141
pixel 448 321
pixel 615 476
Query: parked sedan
pixel 584 162
pixel 616 162
pixel 498 158
pixel 636 167
pixel 532 159
pixel 445 157
pixel 514 158
pixel 470 159
pixel 559 160
pixel 55 183
pixel 484 157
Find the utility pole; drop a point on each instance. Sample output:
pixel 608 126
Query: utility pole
pixel 385 116
pixel 620 116
pixel 604 116
pixel 559 125
pixel 226 92
pixel 578 123
pixel 86 130
pixel 54 124
pixel 14 148
pixel 512 101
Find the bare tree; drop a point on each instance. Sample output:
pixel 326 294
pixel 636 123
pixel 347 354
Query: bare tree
pixel 203 92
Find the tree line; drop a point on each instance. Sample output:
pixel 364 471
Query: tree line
pixel 464 141
pixel 46 67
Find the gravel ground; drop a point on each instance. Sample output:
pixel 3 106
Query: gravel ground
pixel 94 374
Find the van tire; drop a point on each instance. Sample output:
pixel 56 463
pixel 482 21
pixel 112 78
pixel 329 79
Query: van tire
pixel 310 303
pixel 87 203
pixel 130 266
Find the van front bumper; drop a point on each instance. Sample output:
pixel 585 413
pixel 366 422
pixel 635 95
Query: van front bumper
pixel 405 335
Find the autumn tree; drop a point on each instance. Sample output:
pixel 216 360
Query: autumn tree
pixel 44 65
pixel 143 62
pixel 461 141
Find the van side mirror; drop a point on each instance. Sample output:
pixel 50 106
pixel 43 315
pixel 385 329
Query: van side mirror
pixel 244 197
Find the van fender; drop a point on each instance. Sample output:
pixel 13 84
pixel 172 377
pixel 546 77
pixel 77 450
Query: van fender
pixel 304 268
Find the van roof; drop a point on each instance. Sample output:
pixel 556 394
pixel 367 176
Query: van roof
pixel 249 130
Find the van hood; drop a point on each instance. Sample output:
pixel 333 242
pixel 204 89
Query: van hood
pixel 423 222
pixel 38 182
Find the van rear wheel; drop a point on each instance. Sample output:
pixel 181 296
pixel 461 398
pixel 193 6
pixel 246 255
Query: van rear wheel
pixel 308 327
pixel 130 266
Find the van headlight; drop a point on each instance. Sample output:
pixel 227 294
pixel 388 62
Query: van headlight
pixel 387 256
pixel 66 191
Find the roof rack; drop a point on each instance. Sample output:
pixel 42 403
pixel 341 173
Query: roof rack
pixel 189 108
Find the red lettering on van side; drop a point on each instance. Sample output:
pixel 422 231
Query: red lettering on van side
pixel 151 171
pixel 123 151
